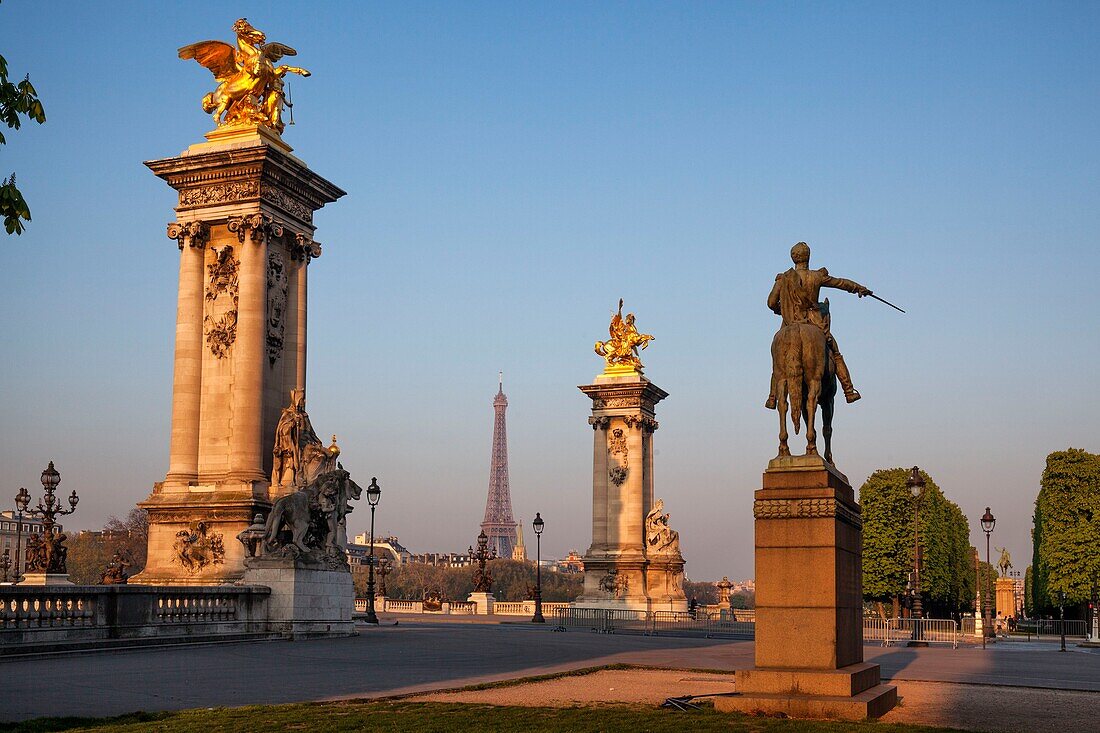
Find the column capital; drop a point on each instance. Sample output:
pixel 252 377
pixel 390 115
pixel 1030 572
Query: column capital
pixel 305 248
pixel 256 227
pixel 641 421
pixel 193 233
pixel 599 422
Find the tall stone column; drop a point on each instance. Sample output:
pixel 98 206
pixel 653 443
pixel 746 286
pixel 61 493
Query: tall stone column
pixel 618 567
pixel 246 439
pixel 240 344
pixel 183 455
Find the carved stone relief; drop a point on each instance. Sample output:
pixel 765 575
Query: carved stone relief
pixel 197 547
pixel 614 584
pixel 291 205
pixel 806 509
pixel 219 193
pixel 276 305
pixel 617 450
pixel 220 318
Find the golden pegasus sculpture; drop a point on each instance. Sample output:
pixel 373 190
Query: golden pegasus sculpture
pixel 620 352
pixel 250 85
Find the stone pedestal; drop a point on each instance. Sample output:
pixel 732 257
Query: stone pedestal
pixel 484 602
pixel 809 626
pixel 307 599
pixel 244 227
pixel 619 571
pixel 1006 597
pixel 45 579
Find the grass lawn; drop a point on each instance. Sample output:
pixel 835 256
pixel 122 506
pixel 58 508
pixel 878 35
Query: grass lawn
pixel 408 717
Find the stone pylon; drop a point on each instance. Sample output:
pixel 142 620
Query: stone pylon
pixel 244 228
pixel 499 525
pixel 634 561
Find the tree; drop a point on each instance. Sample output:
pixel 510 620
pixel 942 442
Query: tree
pixel 89 552
pixel 17 100
pixel 511 581
pixel 1066 530
pixel 947 571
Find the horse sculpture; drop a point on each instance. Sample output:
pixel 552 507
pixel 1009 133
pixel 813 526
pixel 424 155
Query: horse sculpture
pixel 804 377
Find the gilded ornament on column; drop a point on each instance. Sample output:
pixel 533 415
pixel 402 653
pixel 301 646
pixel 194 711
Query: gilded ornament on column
pixel 620 352
pixel 250 89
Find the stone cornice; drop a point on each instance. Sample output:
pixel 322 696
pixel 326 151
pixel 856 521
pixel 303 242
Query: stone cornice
pixel 641 394
pixel 260 176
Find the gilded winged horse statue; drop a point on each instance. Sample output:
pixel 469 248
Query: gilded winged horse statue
pixel 250 85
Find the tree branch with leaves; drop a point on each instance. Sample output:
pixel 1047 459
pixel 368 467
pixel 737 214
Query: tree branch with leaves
pixel 18 100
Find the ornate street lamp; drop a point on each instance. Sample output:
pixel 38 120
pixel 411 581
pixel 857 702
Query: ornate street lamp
pixel 915 482
pixel 538 524
pixel 385 567
pixel 988 523
pixel 22 499
pixel 49 553
pixel 374 493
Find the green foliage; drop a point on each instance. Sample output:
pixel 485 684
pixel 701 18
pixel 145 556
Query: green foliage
pixel 1029 598
pixel 17 100
pixel 511 581
pixel 1067 529
pixel 947 564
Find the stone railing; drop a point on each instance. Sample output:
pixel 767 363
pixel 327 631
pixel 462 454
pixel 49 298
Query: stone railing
pixel 67 615
pixel 456 608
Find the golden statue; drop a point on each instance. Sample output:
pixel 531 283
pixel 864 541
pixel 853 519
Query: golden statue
pixel 250 86
pixel 621 350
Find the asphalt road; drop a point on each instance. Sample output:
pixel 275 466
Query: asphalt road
pixel 419 656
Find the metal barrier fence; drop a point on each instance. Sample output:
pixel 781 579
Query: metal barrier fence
pixel 1052 627
pixel 903 630
pixel 602 620
pixel 710 624
pixel 653 623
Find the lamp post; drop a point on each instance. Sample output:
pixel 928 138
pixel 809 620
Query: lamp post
pixel 385 567
pixel 22 499
pixel 1062 617
pixel 988 523
pixel 915 482
pixel 374 493
pixel 538 524
pixel 50 554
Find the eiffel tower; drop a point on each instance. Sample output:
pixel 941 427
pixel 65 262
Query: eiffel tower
pixel 499 525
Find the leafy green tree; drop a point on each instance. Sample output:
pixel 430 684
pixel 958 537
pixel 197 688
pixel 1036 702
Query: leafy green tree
pixel 89 552
pixel 1029 598
pixel 947 572
pixel 17 100
pixel 1066 533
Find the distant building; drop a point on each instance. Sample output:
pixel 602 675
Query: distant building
pixel 519 553
pixel 573 563
pixel 443 559
pixel 13 540
pixel 359 550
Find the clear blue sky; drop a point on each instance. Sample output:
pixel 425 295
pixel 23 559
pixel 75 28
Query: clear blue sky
pixel 513 169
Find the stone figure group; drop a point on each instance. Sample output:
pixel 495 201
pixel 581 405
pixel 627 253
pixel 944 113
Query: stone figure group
pixel 299 456
pixel 46 553
pixel 660 537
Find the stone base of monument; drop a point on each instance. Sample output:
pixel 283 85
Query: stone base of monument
pixel 307 598
pixel 484 602
pixel 809 600
pixel 46 579
pixel 854 692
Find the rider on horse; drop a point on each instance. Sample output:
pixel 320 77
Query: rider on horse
pixel 794 297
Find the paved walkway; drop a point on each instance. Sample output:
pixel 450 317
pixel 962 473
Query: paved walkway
pixel 422 656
